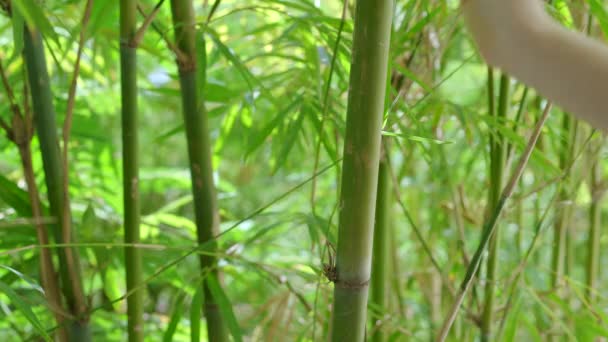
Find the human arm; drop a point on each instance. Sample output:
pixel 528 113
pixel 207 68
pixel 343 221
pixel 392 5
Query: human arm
pixel 566 67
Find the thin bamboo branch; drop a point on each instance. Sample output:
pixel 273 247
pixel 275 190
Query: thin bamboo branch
pixel 67 125
pixel 490 227
pixel 325 106
pixel 139 35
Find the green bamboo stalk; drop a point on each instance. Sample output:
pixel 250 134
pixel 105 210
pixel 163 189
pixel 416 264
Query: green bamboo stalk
pixel 380 258
pixel 44 114
pixel 595 224
pixel 560 230
pixel 368 74
pixel 497 165
pixel 130 167
pixel 199 153
pixel 595 211
pixel 491 96
pixel 519 209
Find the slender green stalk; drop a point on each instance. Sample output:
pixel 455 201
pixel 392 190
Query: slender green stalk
pixel 380 258
pixel 368 74
pixel 491 96
pixel 130 169
pixel 199 153
pixel 44 114
pixel 519 209
pixel 497 165
pixel 595 224
pixel 563 210
pixel 562 247
pixel 595 211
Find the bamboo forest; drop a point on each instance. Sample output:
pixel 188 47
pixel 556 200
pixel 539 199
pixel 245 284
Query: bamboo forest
pixel 290 170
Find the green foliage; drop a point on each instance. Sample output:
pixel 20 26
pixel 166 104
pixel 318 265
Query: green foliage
pixel 25 309
pixel 276 91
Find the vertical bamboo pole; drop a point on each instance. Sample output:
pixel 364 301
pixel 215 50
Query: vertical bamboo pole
pixel 130 169
pixel 564 210
pixel 368 74
pixel 595 211
pixel 593 241
pixel 44 117
pixel 497 164
pixel 199 153
pixel 380 258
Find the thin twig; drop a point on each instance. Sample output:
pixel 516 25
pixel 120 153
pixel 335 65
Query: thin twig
pixel 67 124
pixel 212 11
pixel 7 86
pixel 326 106
pixel 491 225
pixel 519 269
pixel 179 55
pixel 11 99
pixel 66 230
pixel 139 35
pixel 417 232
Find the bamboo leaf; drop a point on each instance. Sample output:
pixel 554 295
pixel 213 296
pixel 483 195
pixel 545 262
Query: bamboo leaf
pixel 175 318
pixel 112 287
pixel 409 74
pixel 415 138
pixel 588 327
pixel 260 137
pixel 99 15
pixel 195 315
pixel 598 10
pixel 512 321
pixel 34 17
pixel 234 59
pixel 15 197
pixel 25 308
pixel 289 141
pixel 18 28
pixel 424 21
pixel 225 307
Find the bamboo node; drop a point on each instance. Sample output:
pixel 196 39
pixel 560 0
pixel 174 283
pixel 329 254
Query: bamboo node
pixel 185 63
pixel 351 284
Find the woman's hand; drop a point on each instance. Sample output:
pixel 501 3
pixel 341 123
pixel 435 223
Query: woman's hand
pixel 566 67
pixel 499 25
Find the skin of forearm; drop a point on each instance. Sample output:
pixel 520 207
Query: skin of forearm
pixel 521 39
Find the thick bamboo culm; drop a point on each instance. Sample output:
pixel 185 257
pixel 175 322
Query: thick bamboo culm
pixel 44 111
pixel 365 111
pixel 130 167
pixel 199 154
